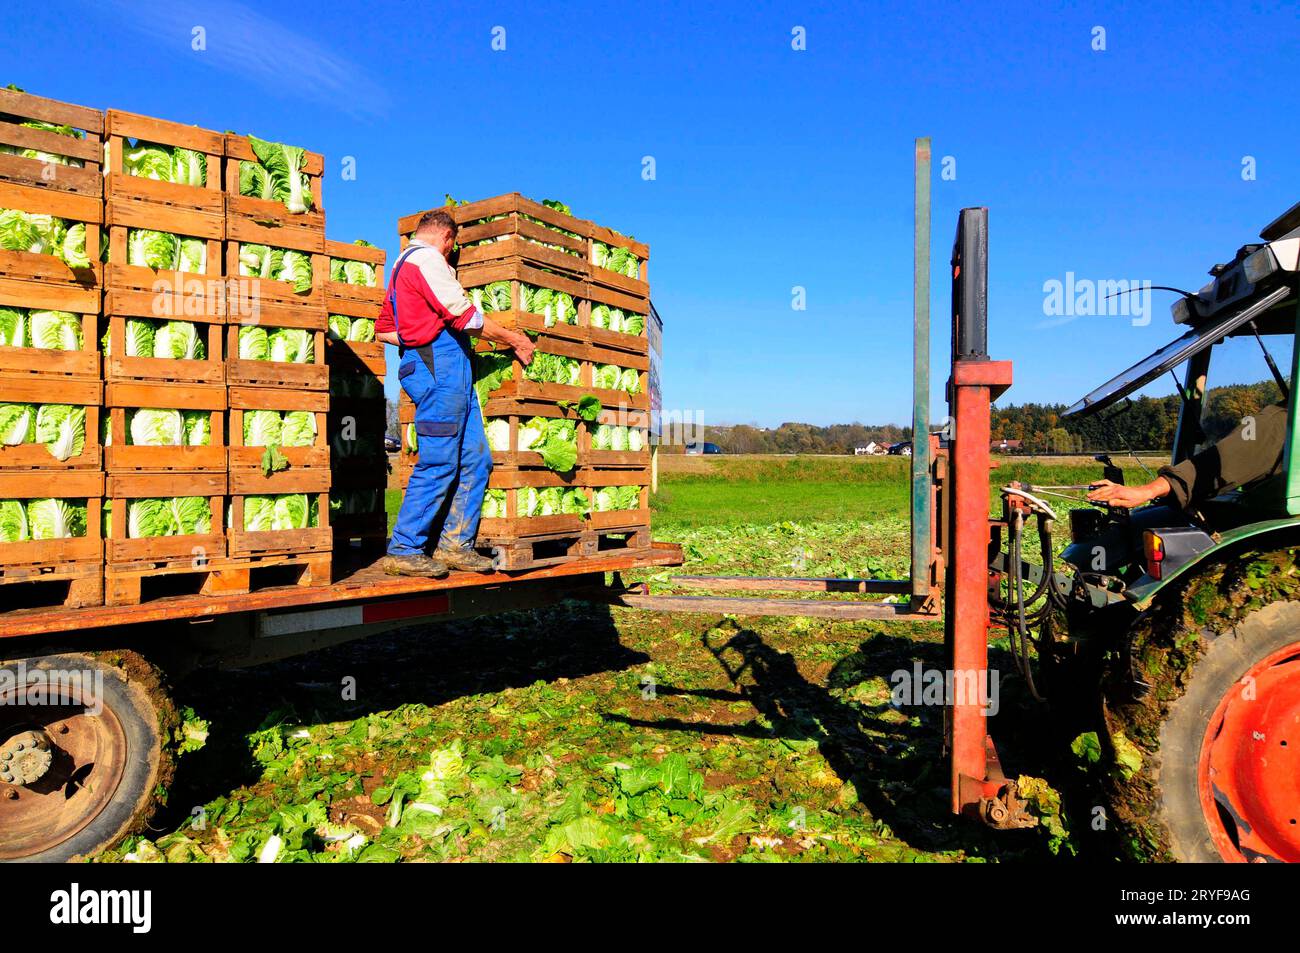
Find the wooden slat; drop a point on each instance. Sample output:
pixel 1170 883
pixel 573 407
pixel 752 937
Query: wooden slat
pixel 811 608
pixel 164 132
pixel 26 198
pixel 29 106
pixel 54 143
pixel 179 396
pixel 780 583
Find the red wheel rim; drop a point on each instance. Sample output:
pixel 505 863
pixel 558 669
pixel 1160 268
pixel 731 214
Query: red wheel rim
pixel 1249 771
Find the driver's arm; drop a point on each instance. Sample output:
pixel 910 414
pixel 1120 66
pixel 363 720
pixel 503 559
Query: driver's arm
pixel 1252 452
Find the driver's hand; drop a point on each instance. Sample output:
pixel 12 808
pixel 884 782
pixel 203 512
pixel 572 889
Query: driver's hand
pixel 1117 494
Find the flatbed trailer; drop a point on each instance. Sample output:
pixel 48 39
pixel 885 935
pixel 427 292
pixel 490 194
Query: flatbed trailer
pixel 87 722
pixel 361 601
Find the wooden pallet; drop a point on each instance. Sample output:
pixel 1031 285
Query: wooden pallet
pixel 133 585
pixel 37 389
pixel 47 270
pixel 35 559
pixel 168 551
pixel 550 549
pixel 17 107
pixel 268 222
pixel 45 363
pixel 243 399
pixel 340 297
pixel 121 396
pixel 56 585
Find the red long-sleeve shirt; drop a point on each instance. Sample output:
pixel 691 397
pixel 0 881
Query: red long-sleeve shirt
pixel 429 298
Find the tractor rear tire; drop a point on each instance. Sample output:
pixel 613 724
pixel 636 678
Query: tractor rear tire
pixel 1219 734
pixel 111 762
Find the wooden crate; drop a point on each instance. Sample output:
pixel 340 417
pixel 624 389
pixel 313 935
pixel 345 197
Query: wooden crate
pixel 638 287
pixel 268 222
pixel 589 355
pixel 158 552
pixel 275 303
pixel 17 108
pixel 285 375
pixel 35 389
pixel 351 358
pixel 599 294
pixel 120 368
pixel 355 300
pixel 47 270
pixel 515 526
pixel 368 529
pixel 478 275
pixel 511 204
pixel 356 434
pixel 517 411
pixel 43 559
pixel 45 363
pixel 260 543
pixel 588 457
pixel 280 399
pixel 121 396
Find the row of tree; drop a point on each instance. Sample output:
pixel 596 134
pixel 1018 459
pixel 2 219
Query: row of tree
pixel 1147 423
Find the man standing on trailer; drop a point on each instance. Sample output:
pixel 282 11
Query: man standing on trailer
pixel 427 315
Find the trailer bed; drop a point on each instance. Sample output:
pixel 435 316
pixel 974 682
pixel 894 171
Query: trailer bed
pixel 361 583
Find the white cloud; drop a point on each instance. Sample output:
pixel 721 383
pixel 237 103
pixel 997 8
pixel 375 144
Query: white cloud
pixel 249 44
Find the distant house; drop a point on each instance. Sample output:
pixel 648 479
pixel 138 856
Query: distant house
pixel 870 449
pixel 1006 446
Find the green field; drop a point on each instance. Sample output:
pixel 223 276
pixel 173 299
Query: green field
pixel 581 733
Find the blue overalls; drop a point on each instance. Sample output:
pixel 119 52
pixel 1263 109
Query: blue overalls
pixel 453 448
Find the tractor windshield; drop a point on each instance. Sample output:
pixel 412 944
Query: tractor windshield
pixel 1171 355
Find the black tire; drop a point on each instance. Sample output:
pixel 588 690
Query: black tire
pixel 136 694
pixel 1159 808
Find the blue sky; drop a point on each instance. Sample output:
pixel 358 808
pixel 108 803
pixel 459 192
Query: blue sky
pixel 775 168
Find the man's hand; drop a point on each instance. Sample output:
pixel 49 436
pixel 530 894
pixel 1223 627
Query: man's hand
pixel 1127 497
pixel 517 341
pixel 523 347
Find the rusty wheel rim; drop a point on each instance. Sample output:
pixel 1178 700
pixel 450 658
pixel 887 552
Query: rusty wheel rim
pixel 1249 770
pixel 89 753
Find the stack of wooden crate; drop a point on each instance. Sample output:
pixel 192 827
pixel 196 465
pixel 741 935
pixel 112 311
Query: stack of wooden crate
pixel 265 306
pixel 60 177
pixel 358 417
pixel 142 306
pixel 508 239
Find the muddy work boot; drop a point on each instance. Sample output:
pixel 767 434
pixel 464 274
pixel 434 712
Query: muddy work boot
pixel 464 559
pixel 420 565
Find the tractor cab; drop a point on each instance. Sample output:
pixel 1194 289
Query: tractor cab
pixel 1253 297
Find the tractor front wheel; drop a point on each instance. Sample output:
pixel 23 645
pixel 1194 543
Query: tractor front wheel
pixel 1223 782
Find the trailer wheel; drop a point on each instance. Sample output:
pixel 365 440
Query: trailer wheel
pixel 1220 778
pixel 84 752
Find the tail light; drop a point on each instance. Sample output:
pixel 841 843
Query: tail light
pixel 1153 547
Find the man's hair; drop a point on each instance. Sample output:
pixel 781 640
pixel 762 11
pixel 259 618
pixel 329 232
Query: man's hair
pixel 437 218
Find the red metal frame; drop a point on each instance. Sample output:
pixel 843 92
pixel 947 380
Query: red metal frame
pixel 975 384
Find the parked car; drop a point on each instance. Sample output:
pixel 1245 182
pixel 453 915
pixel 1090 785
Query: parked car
pixel 392 444
pixel 903 449
pixel 703 447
